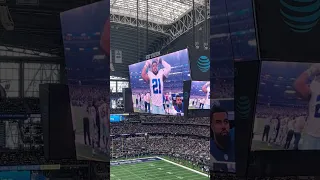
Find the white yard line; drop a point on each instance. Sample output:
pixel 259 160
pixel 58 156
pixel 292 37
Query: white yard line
pixel 203 174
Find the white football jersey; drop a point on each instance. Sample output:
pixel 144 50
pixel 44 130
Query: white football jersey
pixel 208 96
pixel 312 126
pixel 156 87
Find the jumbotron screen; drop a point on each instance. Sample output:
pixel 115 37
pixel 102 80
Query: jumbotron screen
pixel 288 107
pixel 86 40
pixel 157 84
pixel 199 95
pixel 115 118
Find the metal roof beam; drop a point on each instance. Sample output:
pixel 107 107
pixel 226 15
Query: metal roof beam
pixel 141 24
pixel 185 24
pixel 173 31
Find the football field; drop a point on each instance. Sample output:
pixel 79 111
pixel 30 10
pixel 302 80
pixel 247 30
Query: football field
pixel 152 169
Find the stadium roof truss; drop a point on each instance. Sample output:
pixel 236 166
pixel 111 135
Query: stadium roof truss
pixel 169 17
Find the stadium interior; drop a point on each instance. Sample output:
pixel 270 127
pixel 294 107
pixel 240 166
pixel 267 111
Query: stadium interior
pixel 142 146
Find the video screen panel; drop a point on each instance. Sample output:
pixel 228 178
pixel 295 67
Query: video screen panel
pixel 199 95
pixel 157 84
pixel 232 30
pixel 222 140
pixel 115 118
pixel 293 26
pixel 86 38
pixel 287 112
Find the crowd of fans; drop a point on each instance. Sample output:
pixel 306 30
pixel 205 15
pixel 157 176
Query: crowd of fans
pixel 177 137
pixel 223 70
pixel 132 128
pixel 176 119
pixel 191 149
pixel 265 111
pixel 223 88
pixel 80 95
pixel 20 105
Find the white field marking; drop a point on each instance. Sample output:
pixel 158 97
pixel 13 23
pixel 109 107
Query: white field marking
pixel 151 164
pixel 203 174
pixel 112 175
pixel 159 168
pixel 169 173
pixel 179 177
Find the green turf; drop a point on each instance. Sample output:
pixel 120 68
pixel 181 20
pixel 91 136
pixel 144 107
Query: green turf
pixel 155 170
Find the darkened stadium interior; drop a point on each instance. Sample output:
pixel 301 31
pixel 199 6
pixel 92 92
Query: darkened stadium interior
pixel 32 53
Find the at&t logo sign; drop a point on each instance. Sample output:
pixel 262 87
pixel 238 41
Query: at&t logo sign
pixel 300 15
pixel 243 107
pixel 203 63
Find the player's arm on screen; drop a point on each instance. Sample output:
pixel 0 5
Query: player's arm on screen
pixel 105 37
pixel 166 69
pixel 144 74
pixel 301 85
pixel 204 87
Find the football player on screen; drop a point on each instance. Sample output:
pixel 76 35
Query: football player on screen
pixel 206 89
pixel 93 127
pixel 103 109
pixel 221 140
pixel 311 136
pixel 155 78
pixel 179 111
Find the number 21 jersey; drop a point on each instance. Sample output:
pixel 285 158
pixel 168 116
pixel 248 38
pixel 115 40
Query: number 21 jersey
pixel 313 122
pixel 156 87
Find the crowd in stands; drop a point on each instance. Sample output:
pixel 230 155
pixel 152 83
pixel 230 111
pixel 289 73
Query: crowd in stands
pixel 173 136
pixel 132 128
pixel 80 95
pixel 20 105
pixel 176 119
pixel 191 149
pixel 223 89
pixel 22 158
pixel 116 111
pixel 265 111
pixel 221 71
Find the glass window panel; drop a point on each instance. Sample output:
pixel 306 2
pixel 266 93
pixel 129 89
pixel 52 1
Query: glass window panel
pixel 122 84
pixel 36 74
pixel 9 78
pixel 113 86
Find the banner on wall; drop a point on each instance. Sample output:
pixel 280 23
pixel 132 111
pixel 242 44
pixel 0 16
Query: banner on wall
pixel 118 56
pixel 86 37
